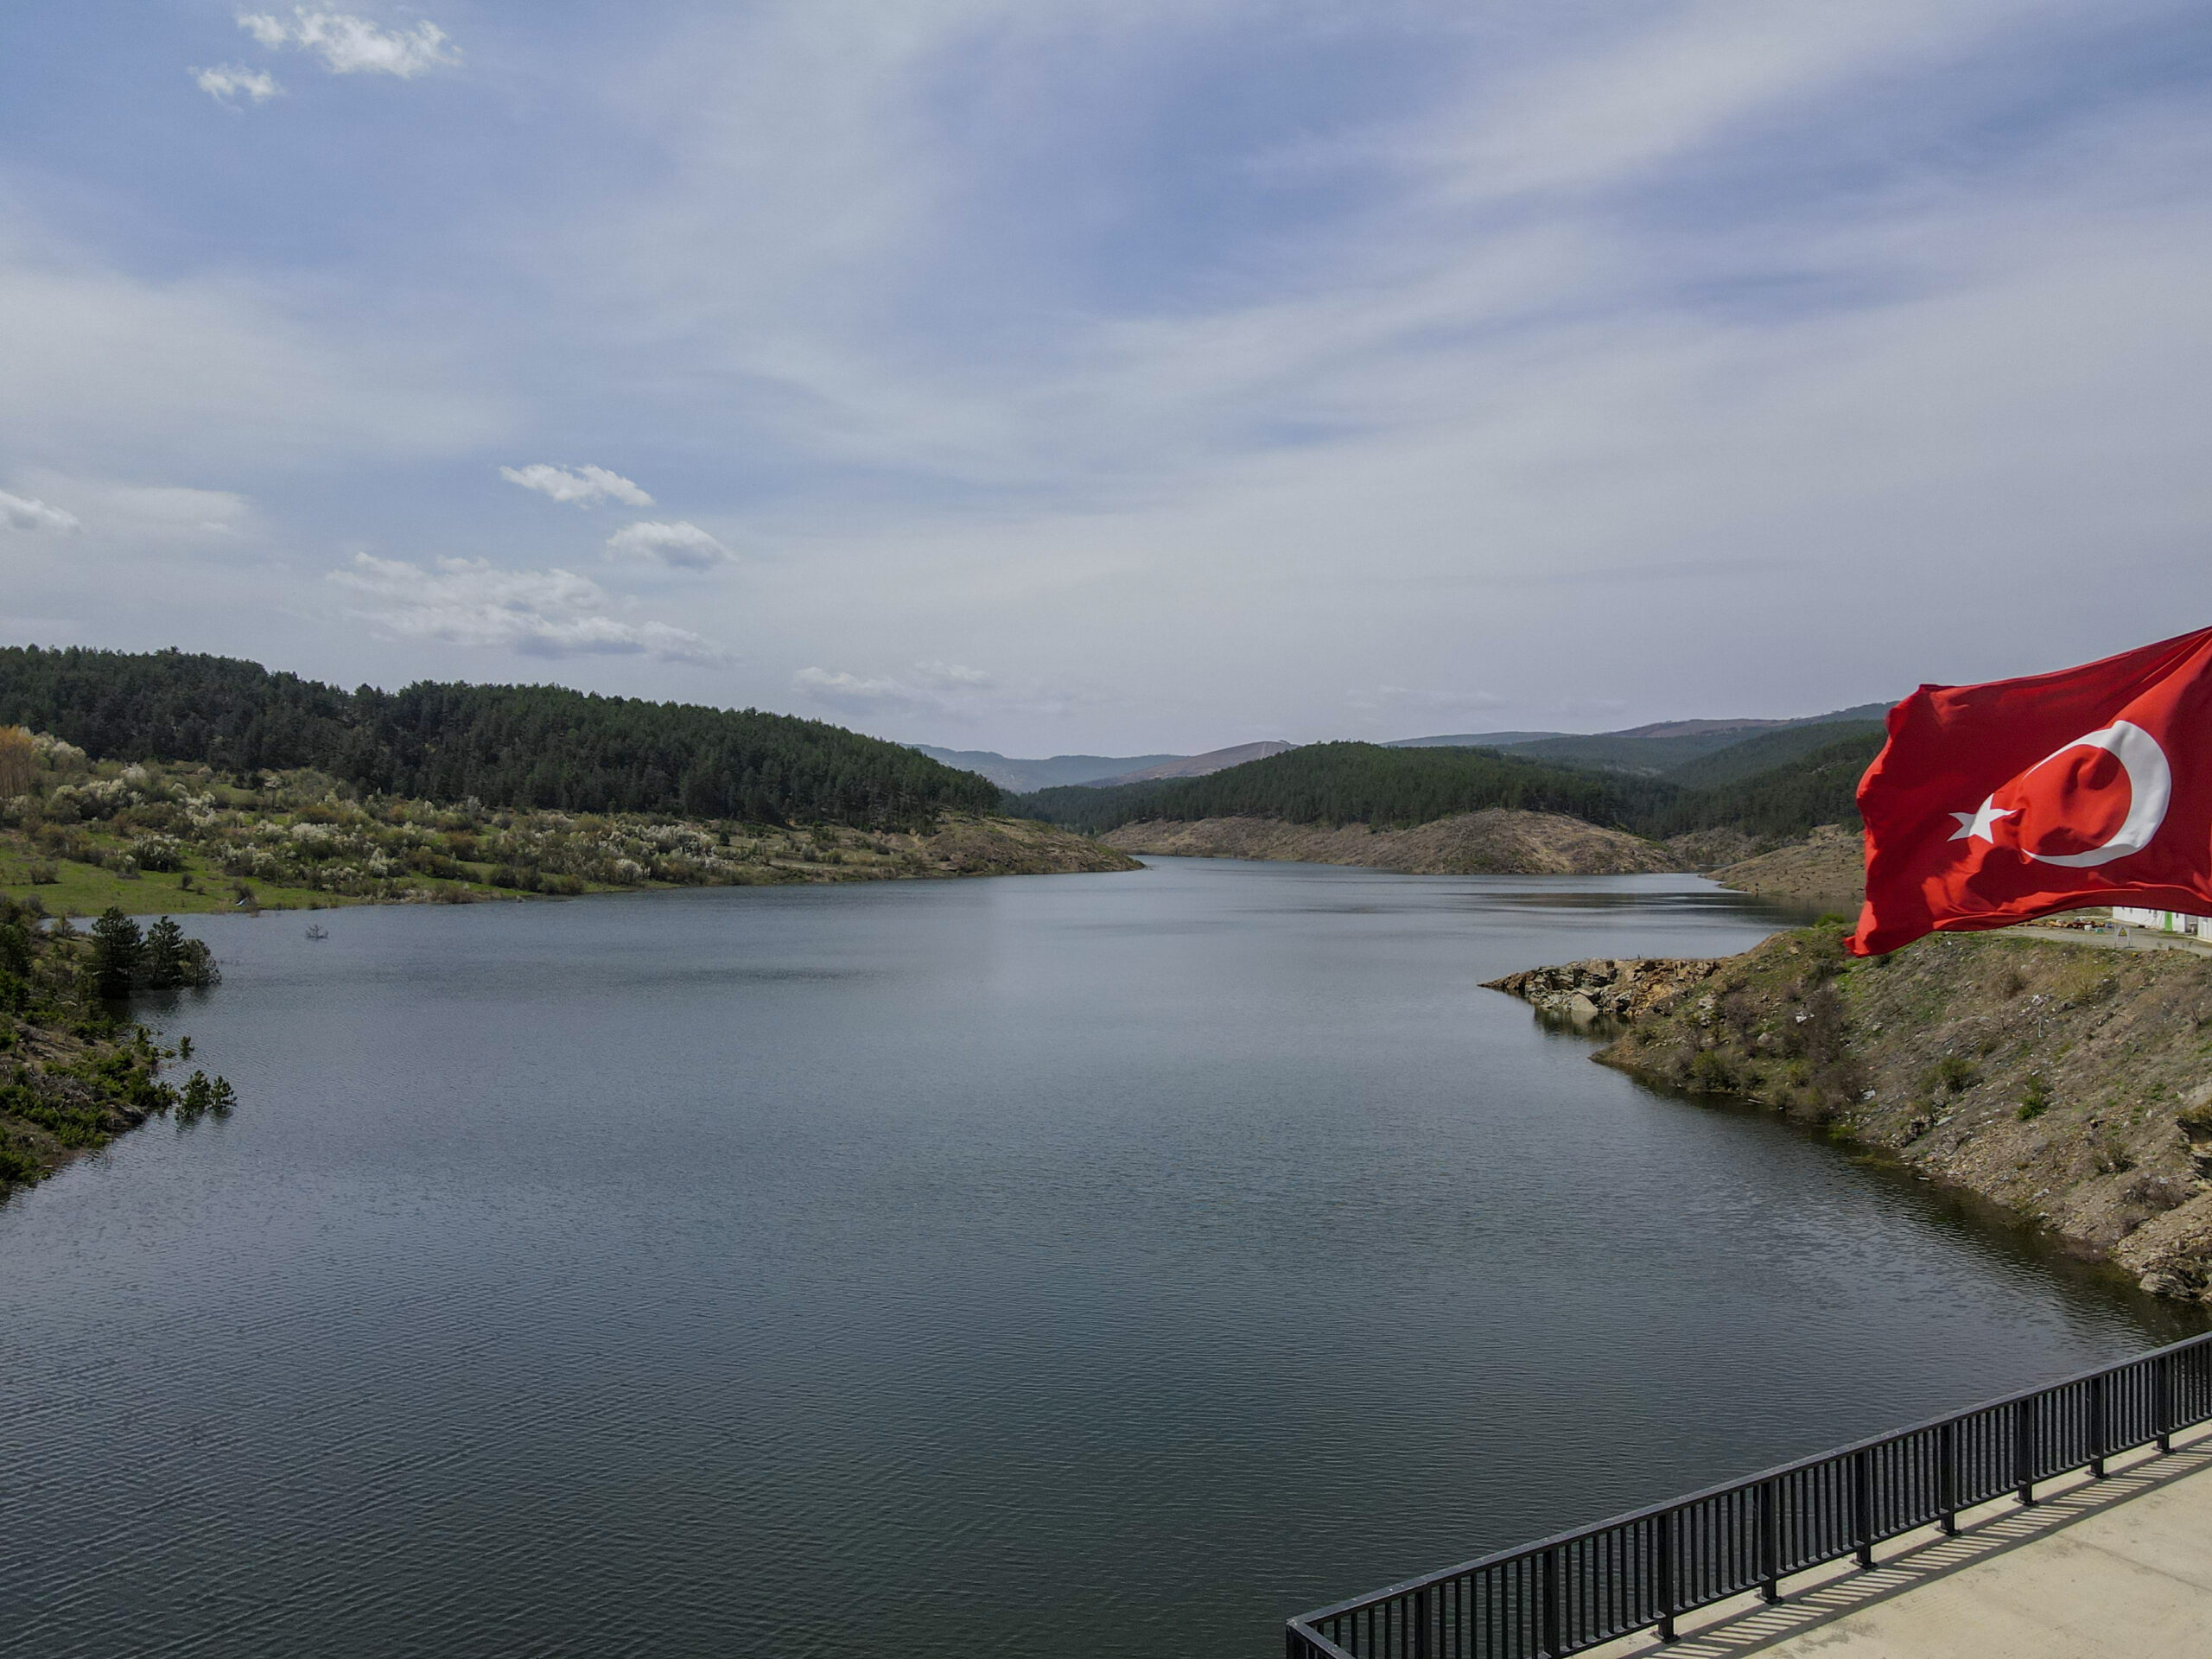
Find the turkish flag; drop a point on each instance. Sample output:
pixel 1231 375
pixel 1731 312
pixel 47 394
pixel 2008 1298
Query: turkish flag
pixel 1992 804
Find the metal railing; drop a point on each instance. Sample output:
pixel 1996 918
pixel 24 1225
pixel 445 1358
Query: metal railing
pixel 1645 1569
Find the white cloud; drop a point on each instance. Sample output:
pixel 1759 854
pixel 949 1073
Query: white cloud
pixel 164 516
pixel 348 45
pixel 19 512
pixel 228 81
pixel 681 545
pixel 939 689
pixel 114 371
pixel 582 486
pixel 844 688
pixel 539 613
pixel 934 688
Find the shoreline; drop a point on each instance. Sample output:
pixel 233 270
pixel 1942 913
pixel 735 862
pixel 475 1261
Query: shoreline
pixel 2054 1083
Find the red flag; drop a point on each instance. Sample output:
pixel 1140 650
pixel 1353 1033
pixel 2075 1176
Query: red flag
pixel 1992 804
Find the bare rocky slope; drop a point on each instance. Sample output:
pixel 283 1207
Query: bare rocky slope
pixel 1497 841
pixel 995 846
pixel 1827 870
pixel 2068 1085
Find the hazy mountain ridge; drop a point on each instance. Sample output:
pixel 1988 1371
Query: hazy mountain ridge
pixel 1667 749
pixel 1661 748
pixel 1021 777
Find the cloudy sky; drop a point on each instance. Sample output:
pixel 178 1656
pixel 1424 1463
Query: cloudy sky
pixel 1048 375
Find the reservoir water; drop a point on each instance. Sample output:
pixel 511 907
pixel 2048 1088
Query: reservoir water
pixel 1062 1265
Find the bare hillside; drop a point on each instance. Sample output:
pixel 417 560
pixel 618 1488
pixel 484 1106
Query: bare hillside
pixel 1497 840
pixel 1825 871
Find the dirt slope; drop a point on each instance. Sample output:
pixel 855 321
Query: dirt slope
pixel 1493 842
pixel 1825 871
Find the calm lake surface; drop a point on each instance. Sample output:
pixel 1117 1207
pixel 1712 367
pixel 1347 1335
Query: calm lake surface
pixel 1050 1265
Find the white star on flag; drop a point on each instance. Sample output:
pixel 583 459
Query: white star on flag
pixel 1982 820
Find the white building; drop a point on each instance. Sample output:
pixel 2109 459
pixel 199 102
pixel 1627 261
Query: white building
pixel 2163 921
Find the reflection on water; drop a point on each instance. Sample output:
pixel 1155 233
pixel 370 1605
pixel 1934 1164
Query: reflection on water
pixel 1089 1265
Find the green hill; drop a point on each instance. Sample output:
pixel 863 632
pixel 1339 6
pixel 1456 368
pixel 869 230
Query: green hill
pixel 1765 751
pixel 1367 783
pixel 1675 749
pixel 1358 783
pixel 1781 802
pixel 515 745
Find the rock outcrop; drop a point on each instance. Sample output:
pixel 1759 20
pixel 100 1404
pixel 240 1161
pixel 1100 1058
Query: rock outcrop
pixel 1584 993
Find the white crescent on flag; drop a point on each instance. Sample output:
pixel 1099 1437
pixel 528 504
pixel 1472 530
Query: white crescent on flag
pixel 2149 786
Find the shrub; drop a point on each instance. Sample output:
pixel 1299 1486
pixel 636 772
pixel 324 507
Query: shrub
pixel 17 1167
pixel 1954 1074
pixel 203 1094
pixel 1713 1073
pixel 2112 1157
pixel 158 853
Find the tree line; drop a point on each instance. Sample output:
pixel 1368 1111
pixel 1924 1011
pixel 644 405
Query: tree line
pixel 538 746
pixel 1366 783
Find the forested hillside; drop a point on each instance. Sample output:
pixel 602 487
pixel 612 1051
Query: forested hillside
pixel 1394 788
pixel 1768 750
pixel 1783 801
pixel 516 746
pixel 1358 783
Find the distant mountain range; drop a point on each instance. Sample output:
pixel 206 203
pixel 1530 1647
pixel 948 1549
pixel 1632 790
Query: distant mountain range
pixel 1095 771
pixel 1687 750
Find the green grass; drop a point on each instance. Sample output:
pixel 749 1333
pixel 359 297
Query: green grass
pixel 87 890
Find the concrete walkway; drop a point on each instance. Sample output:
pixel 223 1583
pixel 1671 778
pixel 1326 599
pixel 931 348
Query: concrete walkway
pixel 2119 1568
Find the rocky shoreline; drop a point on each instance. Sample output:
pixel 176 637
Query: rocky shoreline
pixel 2069 1086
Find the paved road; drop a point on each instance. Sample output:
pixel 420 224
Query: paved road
pixel 2116 1569
pixel 2134 938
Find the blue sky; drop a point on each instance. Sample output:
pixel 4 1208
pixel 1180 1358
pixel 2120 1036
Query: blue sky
pixel 1114 377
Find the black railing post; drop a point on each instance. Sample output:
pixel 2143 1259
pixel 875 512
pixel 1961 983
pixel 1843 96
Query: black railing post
pixel 1946 1476
pixel 2098 1445
pixel 1670 1596
pixel 2024 1459
pixel 1420 1624
pixel 1862 1507
pixel 1547 1582
pixel 1769 1541
pixel 2163 1365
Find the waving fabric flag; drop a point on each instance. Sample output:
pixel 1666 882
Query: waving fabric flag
pixel 1992 804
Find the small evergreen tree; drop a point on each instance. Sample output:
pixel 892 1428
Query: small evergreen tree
pixel 161 957
pixel 118 952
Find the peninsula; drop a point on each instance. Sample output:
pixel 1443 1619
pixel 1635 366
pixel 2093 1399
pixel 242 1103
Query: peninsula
pixel 80 1071
pixel 2063 1082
